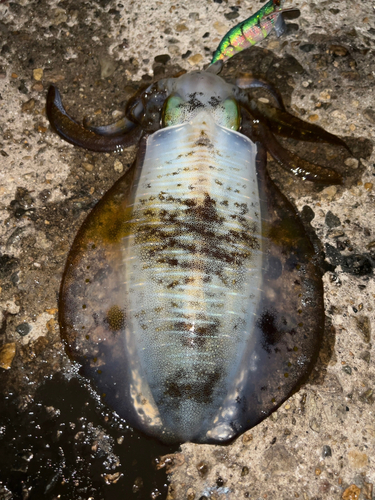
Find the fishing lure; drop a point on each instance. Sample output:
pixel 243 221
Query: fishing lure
pixel 252 30
pixel 192 295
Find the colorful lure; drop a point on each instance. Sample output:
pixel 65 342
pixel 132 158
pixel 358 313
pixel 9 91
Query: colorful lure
pixel 251 31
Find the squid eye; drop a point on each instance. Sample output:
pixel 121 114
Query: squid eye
pixel 173 111
pixel 232 115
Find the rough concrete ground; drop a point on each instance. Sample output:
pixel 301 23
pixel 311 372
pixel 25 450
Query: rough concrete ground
pixel 321 443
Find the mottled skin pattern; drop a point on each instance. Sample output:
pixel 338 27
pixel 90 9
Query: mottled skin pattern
pixel 193 267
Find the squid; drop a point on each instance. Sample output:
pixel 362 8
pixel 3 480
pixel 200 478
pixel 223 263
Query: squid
pixel 192 295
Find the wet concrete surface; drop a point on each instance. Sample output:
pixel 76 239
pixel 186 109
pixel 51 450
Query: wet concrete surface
pixel 57 439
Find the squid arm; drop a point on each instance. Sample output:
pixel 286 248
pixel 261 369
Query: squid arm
pixel 247 81
pixel 287 125
pixel 78 135
pixel 286 159
pixel 121 126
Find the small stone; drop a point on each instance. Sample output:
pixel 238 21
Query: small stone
pixel 7 353
pixel 23 329
pixel 325 95
pixel 350 75
pixel 327 452
pixel 186 55
pixel 107 65
pixel 352 163
pixel 313 118
pixel 367 490
pixel 367 396
pixel 273 44
pixel 116 114
pixel 171 462
pixel 118 166
pixel 314 425
pixel 190 494
pixel 38 87
pixel 363 327
pixel 202 468
pixel 357 459
pixel 368 186
pixel 369 114
pixel 221 28
pixel 59 16
pixel 307 47
pixel 351 493
pixel 366 356
pixel 332 220
pixel 53 310
pixel 196 59
pixel 89 167
pixel 318 471
pixel 247 438
pixel 338 50
pixel 38 74
pixel 278 460
pixel 231 15
pixel 162 59
pixel 347 369
pixel 28 106
pixel 291 65
pixel 244 471
pixel 14 75
pixel 56 78
pixel 339 114
pixel 219 482
pixel 181 27
pixel 112 478
pixel 174 50
pixel 356 264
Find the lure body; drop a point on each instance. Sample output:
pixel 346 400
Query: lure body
pixel 251 31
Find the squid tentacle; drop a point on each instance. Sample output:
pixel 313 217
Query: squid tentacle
pixel 249 82
pixel 287 125
pixel 287 160
pixel 73 132
pixel 121 126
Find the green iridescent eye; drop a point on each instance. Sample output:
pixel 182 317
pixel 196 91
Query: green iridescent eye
pixel 173 111
pixel 232 114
